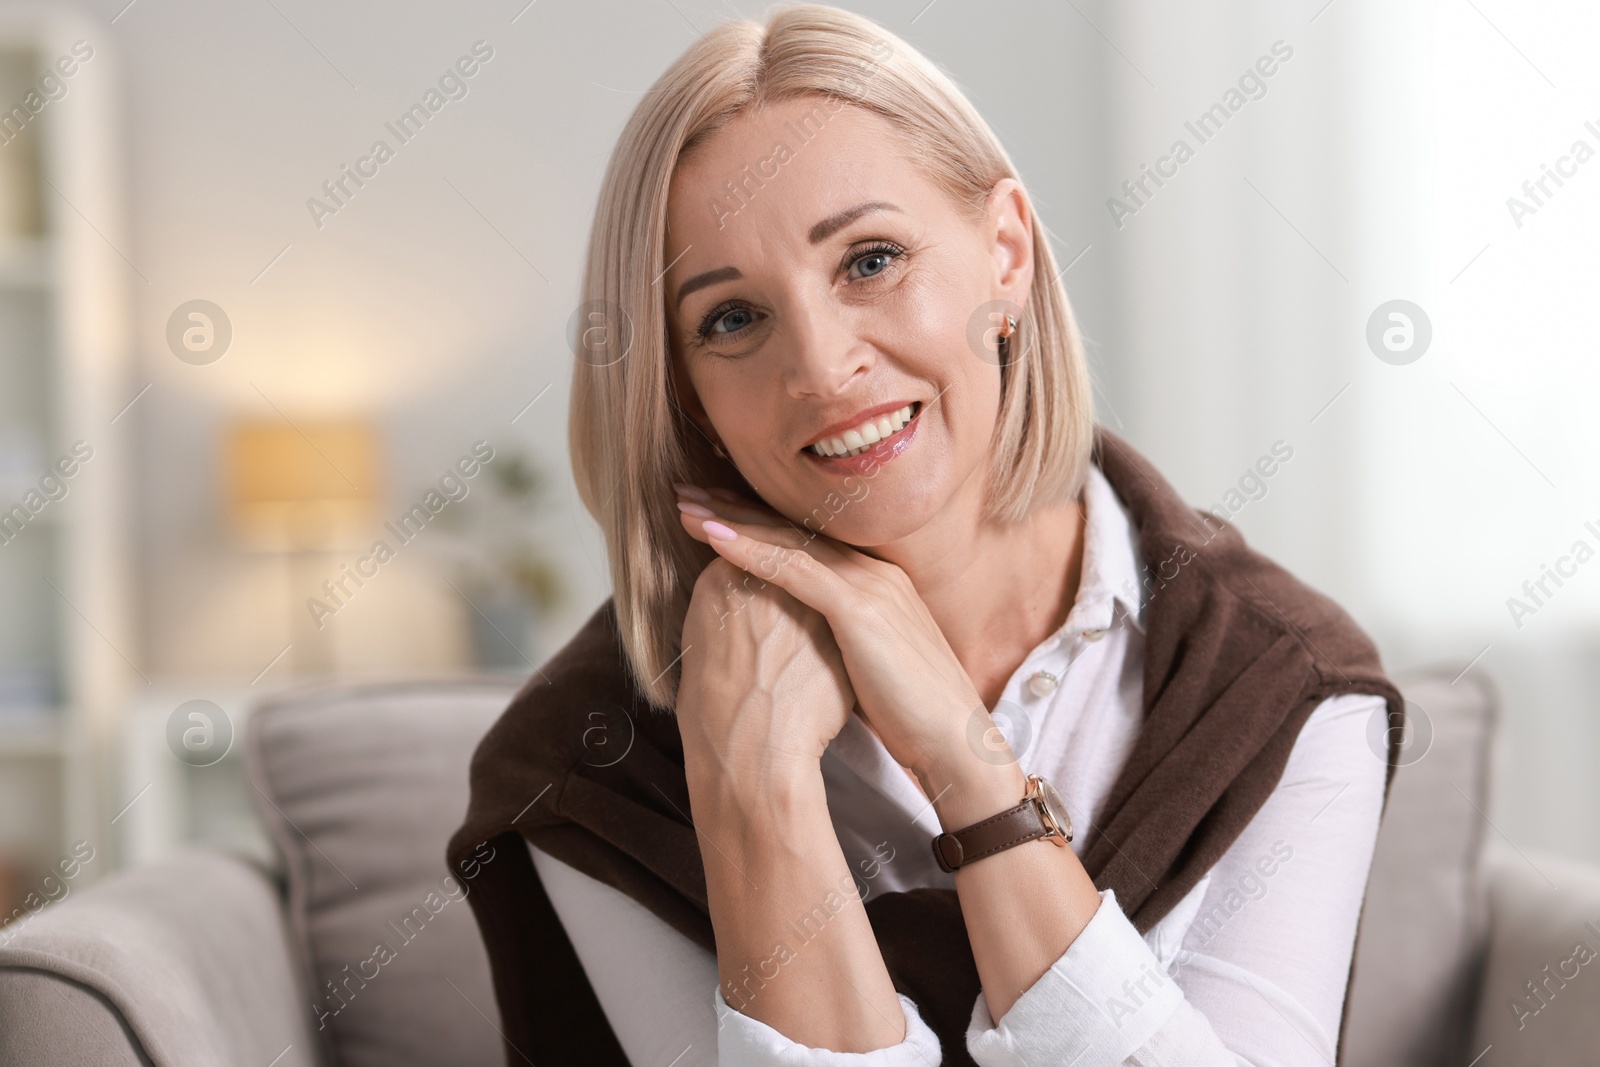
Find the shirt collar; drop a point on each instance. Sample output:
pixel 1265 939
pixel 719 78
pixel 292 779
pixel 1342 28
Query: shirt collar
pixel 1109 586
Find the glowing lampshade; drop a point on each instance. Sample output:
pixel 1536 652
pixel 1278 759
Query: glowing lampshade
pixel 310 485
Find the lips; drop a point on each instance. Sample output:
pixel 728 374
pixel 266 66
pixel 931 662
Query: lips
pixel 865 430
pixel 870 457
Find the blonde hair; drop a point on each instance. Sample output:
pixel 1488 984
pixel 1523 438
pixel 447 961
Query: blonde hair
pixel 629 439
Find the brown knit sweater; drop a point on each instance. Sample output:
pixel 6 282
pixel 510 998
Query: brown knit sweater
pixel 1237 655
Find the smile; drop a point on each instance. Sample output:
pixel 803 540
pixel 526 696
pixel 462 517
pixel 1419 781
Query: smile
pixel 866 436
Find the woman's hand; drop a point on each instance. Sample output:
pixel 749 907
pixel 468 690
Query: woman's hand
pixel 914 692
pixel 910 687
pixel 763 691
pixel 764 687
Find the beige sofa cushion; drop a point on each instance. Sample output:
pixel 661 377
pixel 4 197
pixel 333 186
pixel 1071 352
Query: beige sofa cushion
pixel 1547 936
pixel 182 964
pixel 1423 927
pixel 361 787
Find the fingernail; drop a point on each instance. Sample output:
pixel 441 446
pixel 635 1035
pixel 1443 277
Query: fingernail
pixel 693 492
pixel 719 531
pixel 698 511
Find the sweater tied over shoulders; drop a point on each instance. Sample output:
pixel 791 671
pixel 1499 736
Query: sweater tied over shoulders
pixel 1238 653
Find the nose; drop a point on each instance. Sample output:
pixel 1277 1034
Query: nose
pixel 826 353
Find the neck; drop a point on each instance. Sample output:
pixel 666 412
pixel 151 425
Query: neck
pixel 995 591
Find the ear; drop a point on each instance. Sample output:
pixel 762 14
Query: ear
pixel 1008 225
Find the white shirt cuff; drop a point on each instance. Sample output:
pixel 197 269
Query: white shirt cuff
pixel 750 1042
pixel 1106 996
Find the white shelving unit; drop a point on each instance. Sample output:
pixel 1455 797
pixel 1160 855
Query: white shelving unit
pixel 66 647
pixel 171 804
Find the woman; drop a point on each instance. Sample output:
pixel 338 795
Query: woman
pixel 832 414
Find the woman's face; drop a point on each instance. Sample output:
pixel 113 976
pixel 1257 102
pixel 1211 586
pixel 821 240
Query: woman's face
pixel 818 282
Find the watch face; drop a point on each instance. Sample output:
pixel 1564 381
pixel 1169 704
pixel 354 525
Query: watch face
pixel 1056 807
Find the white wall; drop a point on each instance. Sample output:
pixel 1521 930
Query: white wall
pixel 409 304
pixel 1223 317
pixel 1428 492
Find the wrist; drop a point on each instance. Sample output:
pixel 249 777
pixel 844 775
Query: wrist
pixel 737 764
pixel 966 788
pixel 775 797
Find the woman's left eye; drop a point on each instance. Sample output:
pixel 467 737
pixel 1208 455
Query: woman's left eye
pixel 872 262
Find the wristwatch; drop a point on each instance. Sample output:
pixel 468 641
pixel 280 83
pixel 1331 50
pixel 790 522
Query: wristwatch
pixel 1042 813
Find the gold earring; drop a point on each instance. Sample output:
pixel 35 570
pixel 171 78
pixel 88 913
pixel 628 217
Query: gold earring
pixel 1009 328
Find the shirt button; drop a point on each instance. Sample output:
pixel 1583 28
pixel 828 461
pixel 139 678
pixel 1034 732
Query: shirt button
pixel 1042 684
pixel 1093 635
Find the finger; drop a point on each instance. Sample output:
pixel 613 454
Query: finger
pixel 693 521
pixel 725 502
pixel 728 505
pixel 785 536
pixel 695 515
pixel 788 566
pixel 738 509
pixel 708 495
pixel 852 565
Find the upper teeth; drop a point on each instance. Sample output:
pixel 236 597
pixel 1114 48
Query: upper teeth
pixel 855 441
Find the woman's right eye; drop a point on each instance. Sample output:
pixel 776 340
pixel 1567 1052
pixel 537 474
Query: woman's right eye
pixel 726 321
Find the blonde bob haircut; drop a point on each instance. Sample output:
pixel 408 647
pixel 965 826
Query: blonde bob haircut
pixel 630 439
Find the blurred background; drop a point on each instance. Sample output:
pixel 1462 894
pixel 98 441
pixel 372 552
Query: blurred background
pixel 239 348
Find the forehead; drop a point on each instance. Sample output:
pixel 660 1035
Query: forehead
pixel 773 172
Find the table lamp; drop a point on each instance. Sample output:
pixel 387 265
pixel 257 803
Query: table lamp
pixel 302 490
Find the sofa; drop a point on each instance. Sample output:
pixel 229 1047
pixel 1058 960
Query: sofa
pixel 358 948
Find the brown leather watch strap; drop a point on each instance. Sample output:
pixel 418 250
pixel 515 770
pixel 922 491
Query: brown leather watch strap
pixel 994 834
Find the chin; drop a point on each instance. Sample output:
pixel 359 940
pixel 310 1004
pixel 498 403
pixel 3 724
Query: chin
pixel 868 512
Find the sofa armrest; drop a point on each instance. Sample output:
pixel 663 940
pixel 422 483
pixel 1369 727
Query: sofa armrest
pixel 187 962
pixel 1540 999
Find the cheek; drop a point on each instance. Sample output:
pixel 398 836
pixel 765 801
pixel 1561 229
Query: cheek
pixel 972 421
pixel 940 318
pixel 737 398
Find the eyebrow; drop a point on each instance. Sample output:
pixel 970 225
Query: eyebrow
pixel 818 233
pixel 834 223
pixel 710 277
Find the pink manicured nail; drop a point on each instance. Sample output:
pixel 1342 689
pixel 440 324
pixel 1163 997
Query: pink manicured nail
pixel 697 510
pixel 719 531
pixel 693 492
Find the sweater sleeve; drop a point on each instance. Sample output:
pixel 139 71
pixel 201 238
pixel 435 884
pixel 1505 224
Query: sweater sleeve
pixel 1256 975
pixel 661 995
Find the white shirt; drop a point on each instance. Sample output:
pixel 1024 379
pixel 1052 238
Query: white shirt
pixel 1248 969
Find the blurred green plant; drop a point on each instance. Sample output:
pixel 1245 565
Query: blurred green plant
pixel 498 550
